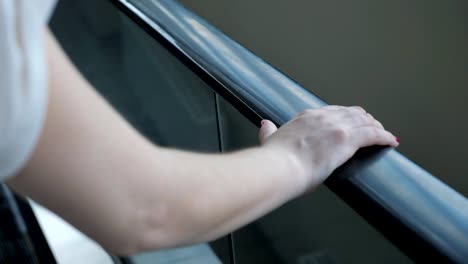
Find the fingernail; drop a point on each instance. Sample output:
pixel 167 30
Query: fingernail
pixel 397 140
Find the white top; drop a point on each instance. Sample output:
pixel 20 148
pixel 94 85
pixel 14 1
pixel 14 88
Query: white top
pixel 23 80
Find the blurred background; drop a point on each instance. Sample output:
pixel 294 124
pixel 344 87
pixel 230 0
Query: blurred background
pixel 404 62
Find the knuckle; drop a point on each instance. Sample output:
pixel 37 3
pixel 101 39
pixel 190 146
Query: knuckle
pixel 360 109
pixel 340 134
pixel 362 119
pixel 372 119
pixel 357 110
pixel 311 115
pixel 368 119
pixel 379 124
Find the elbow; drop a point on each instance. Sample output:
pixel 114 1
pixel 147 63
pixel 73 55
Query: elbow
pixel 137 242
pixel 129 248
pixel 155 226
pixel 132 233
pixel 149 229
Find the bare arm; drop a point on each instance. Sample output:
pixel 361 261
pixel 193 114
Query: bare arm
pixel 98 173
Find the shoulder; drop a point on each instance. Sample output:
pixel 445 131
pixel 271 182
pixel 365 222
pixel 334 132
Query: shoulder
pixel 23 79
pixel 36 9
pixel 42 8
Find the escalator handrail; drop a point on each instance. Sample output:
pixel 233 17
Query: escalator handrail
pixel 417 212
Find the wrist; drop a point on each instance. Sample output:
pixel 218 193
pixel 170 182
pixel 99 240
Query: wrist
pixel 293 172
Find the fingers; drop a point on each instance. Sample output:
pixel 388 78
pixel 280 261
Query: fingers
pixel 359 109
pixel 376 122
pixel 372 135
pixel 356 116
pixel 363 128
pixel 267 129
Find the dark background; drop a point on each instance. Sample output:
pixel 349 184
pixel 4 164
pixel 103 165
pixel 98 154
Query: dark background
pixel 406 62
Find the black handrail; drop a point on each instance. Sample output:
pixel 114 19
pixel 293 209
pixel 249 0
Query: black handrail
pixel 422 216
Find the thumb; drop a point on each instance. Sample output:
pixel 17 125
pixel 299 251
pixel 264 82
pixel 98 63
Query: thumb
pixel 267 129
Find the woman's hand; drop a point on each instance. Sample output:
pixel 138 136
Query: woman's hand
pixel 321 140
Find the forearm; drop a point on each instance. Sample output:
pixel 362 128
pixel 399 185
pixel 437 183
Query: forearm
pixel 98 173
pixel 210 195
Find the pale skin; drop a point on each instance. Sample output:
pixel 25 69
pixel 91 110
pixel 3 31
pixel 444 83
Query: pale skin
pixel 93 169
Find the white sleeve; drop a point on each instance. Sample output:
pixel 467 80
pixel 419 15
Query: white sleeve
pixel 23 80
